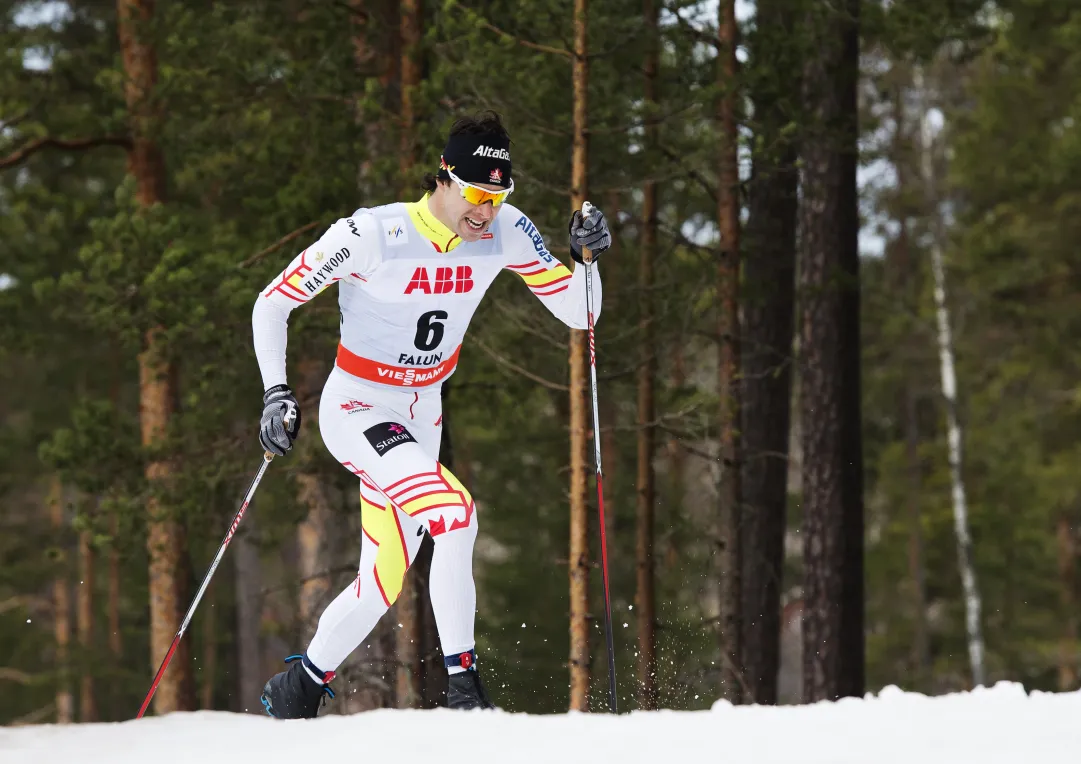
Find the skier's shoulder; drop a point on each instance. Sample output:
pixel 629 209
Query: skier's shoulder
pixel 519 233
pixel 361 224
pixel 356 238
pixel 511 218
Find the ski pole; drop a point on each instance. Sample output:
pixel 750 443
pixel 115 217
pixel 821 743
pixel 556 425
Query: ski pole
pixel 267 459
pixel 587 257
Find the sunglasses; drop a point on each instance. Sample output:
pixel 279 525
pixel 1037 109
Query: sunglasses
pixel 476 195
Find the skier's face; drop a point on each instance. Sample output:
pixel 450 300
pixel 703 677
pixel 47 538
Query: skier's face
pixel 469 221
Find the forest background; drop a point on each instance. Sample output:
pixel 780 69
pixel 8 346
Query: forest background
pixel 799 504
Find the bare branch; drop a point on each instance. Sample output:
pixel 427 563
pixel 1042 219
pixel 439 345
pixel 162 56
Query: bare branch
pixel 18 601
pixel 14 675
pixel 34 717
pixel 279 244
pixel 526 43
pixel 10 123
pixel 77 144
pixel 639 124
pixel 481 21
pixel 685 446
pixel 518 369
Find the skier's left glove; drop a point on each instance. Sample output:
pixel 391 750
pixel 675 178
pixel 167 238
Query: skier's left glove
pixel 274 434
pixel 590 232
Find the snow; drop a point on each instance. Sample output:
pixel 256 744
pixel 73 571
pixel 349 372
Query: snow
pixel 1001 724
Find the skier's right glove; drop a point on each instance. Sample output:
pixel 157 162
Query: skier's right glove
pixel 276 437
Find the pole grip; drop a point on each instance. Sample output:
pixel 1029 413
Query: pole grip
pixel 587 210
pixel 290 417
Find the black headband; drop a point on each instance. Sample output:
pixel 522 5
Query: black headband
pixel 481 158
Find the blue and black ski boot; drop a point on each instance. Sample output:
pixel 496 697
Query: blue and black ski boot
pixel 293 694
pixel 465 690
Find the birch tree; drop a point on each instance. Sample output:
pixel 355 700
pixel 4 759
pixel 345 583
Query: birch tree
pixel 948 373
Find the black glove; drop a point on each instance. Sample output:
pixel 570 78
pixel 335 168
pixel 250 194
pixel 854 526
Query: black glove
pixel 591 232
pixel 276 438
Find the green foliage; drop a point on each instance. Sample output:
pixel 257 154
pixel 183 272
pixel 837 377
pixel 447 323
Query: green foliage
pixel 1013 281
pixel 275 116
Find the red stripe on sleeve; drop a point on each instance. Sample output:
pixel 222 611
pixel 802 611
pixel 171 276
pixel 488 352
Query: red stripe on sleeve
pixel 557 290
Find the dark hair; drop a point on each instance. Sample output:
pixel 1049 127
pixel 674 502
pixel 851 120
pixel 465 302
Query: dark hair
pixel 486 122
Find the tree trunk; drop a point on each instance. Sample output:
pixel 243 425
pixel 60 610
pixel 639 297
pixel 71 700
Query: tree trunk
pixel 65 701
pixel 312 542
pixel 833 647
pixel 645 590
pixel 377 53
pixel 116 642
pixel 955 437
pixel 249 599
pixel 409 688
pixel 157 377
pixel 209 669
pixel 728 205
pixel 579 415
pixel 313 533
pixel 1067 575
pixel 112 605
pixel 677 455
pixel 84 615
pixel 769 308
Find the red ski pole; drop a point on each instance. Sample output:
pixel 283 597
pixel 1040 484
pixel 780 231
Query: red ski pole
pixel 267 459
pixel 587 256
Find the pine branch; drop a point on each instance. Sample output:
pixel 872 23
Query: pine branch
pixel 694 32
pixel 481 21
pixel 707 186
pixel 77 144
pixel 619 47
pixel 279 244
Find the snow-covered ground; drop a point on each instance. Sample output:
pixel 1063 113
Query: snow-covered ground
pixel 1002 724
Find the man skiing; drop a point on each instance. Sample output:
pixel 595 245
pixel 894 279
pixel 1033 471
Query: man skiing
pixel 410 277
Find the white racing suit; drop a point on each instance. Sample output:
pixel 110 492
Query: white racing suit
pixel 408 288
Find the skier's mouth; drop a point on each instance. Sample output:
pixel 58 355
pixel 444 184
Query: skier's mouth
pixel 473 224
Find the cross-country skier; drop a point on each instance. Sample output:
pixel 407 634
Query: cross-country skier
pixel 410 277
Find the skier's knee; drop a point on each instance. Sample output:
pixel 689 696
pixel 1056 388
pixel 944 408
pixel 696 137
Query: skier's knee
pixel 438 500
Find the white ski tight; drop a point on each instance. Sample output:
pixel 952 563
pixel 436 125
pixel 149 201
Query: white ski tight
pixel 389 438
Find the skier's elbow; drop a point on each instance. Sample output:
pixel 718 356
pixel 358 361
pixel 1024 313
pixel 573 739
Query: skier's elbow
pixel 578 319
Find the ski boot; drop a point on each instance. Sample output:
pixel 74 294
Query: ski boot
pixel 465 690
pixel 293 694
